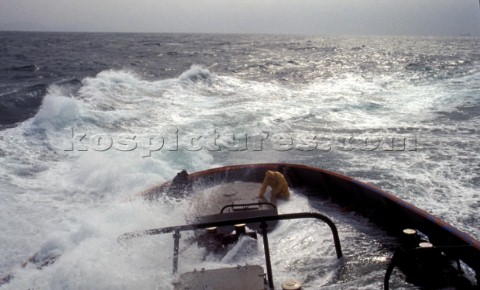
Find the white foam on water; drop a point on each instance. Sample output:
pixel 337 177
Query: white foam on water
pixel 93 258
pixel 59 197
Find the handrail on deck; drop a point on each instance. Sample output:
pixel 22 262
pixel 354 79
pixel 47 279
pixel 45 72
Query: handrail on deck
pixel 262 220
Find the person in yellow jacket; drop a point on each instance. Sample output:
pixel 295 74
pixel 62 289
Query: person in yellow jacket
pixel 277 182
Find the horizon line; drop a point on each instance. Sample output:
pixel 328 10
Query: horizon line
pixel 243 33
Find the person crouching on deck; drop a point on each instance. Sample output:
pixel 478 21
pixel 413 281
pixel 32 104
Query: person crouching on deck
pixel 277 182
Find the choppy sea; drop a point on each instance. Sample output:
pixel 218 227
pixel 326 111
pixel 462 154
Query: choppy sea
pixel 89 120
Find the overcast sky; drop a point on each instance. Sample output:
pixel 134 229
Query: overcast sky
pixel 321 17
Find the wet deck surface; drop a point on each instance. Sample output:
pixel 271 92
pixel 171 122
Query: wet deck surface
pixel 208 201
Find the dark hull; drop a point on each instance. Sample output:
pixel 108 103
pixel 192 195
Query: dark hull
pixel 385 210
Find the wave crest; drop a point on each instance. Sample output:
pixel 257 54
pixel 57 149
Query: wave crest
pixel 56 111
pixel 196 74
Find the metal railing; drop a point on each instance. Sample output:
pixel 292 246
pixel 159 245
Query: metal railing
pixel 245 206
pixel 248 220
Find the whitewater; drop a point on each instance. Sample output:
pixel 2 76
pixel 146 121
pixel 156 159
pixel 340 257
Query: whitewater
pixel 91 120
